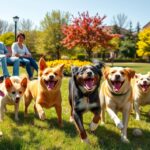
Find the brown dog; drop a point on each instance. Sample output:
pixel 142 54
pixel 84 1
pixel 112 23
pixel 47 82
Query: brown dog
pixel 45 90
pixel 116 95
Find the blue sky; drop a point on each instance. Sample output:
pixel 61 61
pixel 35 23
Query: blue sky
pixel 35 10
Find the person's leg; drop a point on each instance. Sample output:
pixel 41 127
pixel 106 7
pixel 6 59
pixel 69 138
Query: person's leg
pixel 26 62
pixel 4 67
pixel 16 63
pixel 33 64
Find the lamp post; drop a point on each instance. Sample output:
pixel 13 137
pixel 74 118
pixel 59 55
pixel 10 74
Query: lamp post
pixel 16 19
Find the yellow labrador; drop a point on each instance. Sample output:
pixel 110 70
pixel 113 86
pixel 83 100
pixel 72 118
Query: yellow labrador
pixel 116 95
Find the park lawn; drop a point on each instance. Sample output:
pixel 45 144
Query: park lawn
pixel 33 134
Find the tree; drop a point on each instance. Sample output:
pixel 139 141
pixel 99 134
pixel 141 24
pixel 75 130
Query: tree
pixel 86 32
pixel 51 26
pixel 120 20
pixel 25 25
pixel 5 27
pixel 138 27
pixel 144 43
pixel 7 38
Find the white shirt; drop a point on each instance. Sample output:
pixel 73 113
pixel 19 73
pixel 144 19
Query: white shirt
pixel 17 50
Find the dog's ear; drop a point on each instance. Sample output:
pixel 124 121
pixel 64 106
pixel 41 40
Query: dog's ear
pixel 60 69
pixel 74 70
pixel 99 65
pixel 106 72
pixel 137 75
pixel 130 72
pixel 8 83
pixel 42 64
pixel 24 82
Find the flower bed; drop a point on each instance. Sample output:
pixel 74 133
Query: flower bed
pixel 68 64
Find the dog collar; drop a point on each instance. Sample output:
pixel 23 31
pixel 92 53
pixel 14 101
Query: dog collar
pixel 115 94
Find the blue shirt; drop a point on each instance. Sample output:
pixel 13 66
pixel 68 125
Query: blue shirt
pixel 3 49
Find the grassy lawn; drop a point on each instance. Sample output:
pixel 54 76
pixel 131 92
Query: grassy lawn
pixel 33 134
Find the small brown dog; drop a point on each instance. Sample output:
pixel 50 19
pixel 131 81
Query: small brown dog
pixel 11 91
pixel 116 95
pixel 46 90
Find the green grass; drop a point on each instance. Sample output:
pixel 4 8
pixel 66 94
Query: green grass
pixel 33 134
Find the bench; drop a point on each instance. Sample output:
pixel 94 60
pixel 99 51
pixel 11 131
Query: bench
pixel 10 51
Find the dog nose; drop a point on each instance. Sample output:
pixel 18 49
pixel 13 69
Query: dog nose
pixel 144 82
pixel 117 76
pixel 51 77
pixel 89 73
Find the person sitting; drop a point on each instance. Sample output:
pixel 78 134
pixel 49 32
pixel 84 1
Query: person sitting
pixel 5 58
pixel 20 50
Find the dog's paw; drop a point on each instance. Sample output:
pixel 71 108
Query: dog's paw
pixel 120 125
pixel 125 140
pixel 137 118
pixel 86 141
pixel 93 126
pixel 71 119
pixel 102 123
pixel 42 115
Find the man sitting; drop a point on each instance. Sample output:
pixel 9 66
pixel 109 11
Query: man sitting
pixel 5 58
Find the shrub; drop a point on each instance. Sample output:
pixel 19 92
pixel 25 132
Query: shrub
pixel 68 64
pixel 81 57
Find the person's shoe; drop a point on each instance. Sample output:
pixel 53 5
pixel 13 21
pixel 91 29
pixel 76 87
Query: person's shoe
pixel 31 78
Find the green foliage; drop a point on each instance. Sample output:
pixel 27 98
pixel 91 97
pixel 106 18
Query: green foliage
pixel 81 57
pixel 52 35
pixel 8 38
pixel 128 48
pixel 144 43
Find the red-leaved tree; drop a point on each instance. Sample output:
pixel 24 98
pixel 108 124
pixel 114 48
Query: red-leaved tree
pixel 86 32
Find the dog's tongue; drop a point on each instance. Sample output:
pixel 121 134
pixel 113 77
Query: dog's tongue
pixel 51 84
pixel 117 86
pixel 145 87
pixel 89 84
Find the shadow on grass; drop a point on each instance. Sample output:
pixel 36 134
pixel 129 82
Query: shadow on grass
pixel 107 139
pixel 68 127
pixel 17 143
pixel 146 115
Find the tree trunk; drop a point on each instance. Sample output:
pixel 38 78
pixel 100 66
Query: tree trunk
pixel 58 53
pixel 89 52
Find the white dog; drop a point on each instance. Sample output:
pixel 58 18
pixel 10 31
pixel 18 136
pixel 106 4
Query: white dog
pixel 11 91
pixel 141 94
